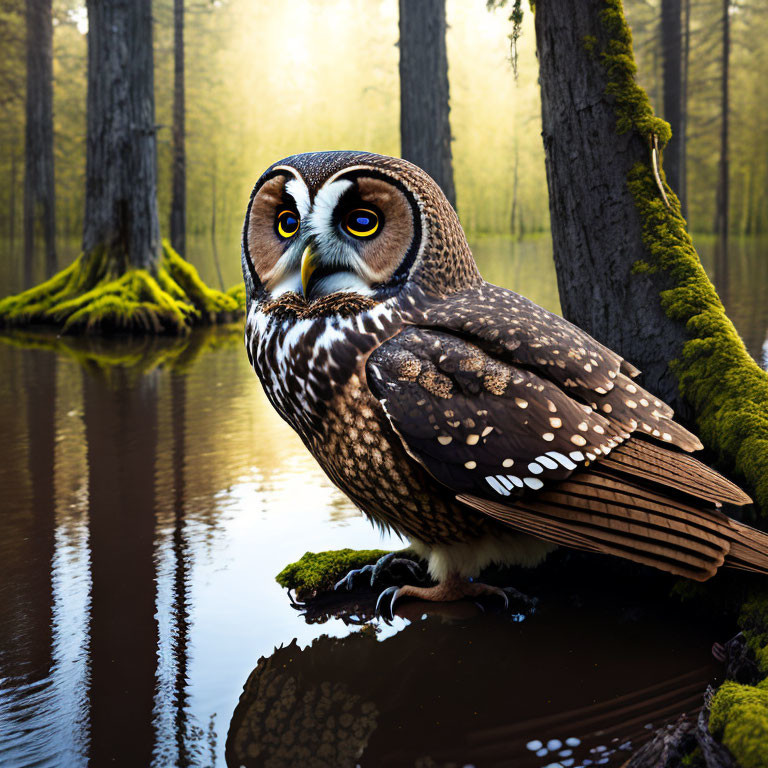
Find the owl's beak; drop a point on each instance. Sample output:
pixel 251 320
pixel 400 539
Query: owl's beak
pixel 308 266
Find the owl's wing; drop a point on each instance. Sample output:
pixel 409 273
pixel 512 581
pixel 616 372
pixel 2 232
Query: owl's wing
pixel 515 445
pixel 483 425
pixel 516 329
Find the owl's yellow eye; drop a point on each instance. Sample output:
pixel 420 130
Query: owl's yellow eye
pixel 362 222
pixel 287 223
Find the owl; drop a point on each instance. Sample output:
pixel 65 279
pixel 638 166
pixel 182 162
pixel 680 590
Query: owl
pixel 458 414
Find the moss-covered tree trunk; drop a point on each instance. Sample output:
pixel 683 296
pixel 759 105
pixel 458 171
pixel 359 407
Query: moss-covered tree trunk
pixel 121 160
pixel 425 128
pixel 123 281
pixel 627 270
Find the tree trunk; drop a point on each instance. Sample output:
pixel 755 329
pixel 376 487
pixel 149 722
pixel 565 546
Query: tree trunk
pixel 513 228
pixel 626 266
pixel 596 233
pixel 682 192
pixel 425 129
pixel 39 198
pixel 671 44
pixel 121 157
pixel 179 196
pixel 722 198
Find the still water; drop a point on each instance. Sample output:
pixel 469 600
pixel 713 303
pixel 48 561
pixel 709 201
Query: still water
pixel 148 497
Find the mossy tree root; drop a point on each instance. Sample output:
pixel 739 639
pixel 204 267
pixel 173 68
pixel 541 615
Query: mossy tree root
pixel 90 297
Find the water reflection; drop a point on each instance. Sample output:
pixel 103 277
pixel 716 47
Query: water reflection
pixel 121 527
pixel 149 496
pixel 470 690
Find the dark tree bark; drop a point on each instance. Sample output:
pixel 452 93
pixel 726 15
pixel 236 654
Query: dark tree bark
pixel 682 193
pixel 425 129
pixel 39 197
pixel 723 193
pixel 596 231
pixel 121 158
pixel 179 192
pixel 672 49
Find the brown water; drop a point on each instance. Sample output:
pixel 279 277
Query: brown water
pixel 149 495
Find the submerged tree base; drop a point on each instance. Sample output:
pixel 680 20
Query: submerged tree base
pixel 89 297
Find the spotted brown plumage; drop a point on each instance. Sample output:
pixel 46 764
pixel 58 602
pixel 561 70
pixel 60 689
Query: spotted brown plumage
pixel 455 412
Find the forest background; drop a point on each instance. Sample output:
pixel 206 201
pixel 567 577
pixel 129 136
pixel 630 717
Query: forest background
pixel 268 79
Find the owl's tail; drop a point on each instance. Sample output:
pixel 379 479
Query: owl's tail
pixel 643 503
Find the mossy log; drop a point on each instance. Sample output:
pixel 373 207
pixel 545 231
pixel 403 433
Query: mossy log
pixel 317 572
pixel 90 296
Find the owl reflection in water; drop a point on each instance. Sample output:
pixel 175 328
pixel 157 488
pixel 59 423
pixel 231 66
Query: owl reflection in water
pixel 458 414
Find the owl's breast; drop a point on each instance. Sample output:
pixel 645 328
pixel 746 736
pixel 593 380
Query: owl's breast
pixel 306 363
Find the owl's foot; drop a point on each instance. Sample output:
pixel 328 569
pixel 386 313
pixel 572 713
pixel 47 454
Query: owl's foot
pixel 389 569
pixel 452 588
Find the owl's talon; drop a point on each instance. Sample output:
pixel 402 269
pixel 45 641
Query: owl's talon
pixel 384 597
pixel 356 578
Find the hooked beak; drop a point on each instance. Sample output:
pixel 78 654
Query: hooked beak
pixel 308 265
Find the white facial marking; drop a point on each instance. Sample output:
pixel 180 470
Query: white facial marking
pixel 297 189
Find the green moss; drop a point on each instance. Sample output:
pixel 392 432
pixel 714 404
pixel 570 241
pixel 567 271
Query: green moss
pixel 739 717
pixel 89 297
pixel 715 373
pixel 237 292
pixel 631 104
pixel 590 45
pixel 319 571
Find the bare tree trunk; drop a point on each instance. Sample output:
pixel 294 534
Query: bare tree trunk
pixel 179 196
pixel 597 237
pixel 39 197
pixel 513 228
pixel 671 44
pixel 682 192
pixel 722 199
pixel 213 231
pixel 12 204
pixel 121 159
pixel 425 129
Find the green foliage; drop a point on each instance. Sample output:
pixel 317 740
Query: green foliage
pixel 89 297
pixel 319 571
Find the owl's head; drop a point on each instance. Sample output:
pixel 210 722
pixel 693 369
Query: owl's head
pixel 328 222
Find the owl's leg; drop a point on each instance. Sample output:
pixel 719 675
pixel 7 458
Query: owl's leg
pixel 454 587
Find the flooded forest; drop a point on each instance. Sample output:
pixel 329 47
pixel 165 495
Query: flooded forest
pixel 173 559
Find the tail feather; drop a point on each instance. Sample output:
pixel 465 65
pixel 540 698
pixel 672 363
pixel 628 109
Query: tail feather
pixel 601 512
pixel 657 464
